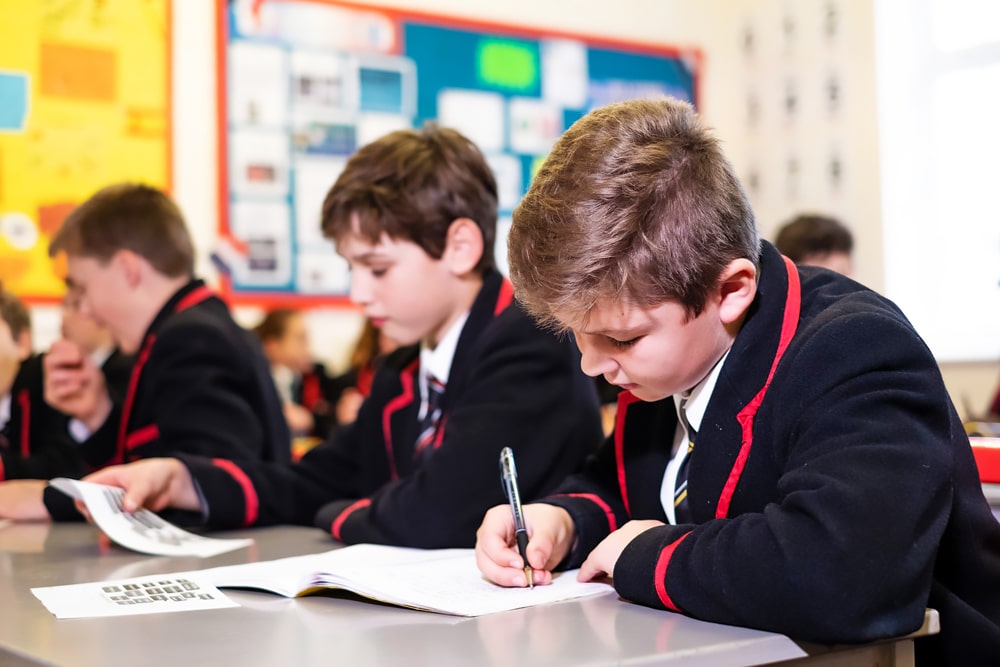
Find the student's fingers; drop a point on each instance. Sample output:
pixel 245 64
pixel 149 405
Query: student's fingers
pixel 496 556
pixel 82 509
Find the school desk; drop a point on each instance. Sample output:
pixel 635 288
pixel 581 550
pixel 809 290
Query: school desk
pixel 338 629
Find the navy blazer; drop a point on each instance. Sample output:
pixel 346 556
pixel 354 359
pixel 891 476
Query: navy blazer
pixel 35 443
pixel 510 384
pixel 200 384
pixel 832 486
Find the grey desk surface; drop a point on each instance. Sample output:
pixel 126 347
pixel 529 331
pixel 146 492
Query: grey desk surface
pixel 324 630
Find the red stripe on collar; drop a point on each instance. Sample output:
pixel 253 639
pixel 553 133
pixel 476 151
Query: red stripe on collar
pixel 789 324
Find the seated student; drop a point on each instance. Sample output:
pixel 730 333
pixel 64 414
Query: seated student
pixel 414 215
pixel 830 493
pixel 817 240
pixel 95 340
pixel 35 441
pixel 200 384
pixel 302 383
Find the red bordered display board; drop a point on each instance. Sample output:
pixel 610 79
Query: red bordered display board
pixel 304 83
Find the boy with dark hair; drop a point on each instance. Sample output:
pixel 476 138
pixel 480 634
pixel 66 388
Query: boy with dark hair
pixel 200 384
pixel 786 456
pixel 817 240
pixel 414 215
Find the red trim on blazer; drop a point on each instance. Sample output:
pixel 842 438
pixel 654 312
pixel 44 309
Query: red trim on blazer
pixel 24 398
pixel 133 385
pixel 3 471
pixel 625 398
pixel 140 437
pixel 597 500
pixel 338 523
pixel 660 574
pixel 193 298
pixel 789 324
pixel 310 391
pixel 505 296
pixel 250 500
pixel 398 403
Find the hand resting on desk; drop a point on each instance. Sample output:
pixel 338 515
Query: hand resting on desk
pixel 153 484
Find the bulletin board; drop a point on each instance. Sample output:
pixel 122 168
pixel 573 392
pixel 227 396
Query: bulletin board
pixel 304 83
pixel 84 102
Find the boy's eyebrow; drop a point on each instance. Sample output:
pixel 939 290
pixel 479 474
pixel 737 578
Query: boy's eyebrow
pixel 368 256
pixel 619 332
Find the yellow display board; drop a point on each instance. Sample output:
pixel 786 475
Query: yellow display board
pixel 84 102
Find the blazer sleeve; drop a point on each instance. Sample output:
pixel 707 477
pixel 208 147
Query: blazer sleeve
pixel 593 500
pixel 521 393
pixel 252 492
pixel 199 383
pixel 846 550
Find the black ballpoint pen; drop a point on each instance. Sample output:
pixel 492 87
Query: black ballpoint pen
pixel 508 475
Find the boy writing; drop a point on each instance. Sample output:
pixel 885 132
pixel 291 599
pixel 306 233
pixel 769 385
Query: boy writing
pixel 414 215
pixel 200 383
pixel 785 456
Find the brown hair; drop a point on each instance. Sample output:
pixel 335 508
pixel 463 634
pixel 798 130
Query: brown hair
pixel 132 217
pixel 274 324
pixel 813 235
pixel 14 313
pixel 412 185
pixel 635 202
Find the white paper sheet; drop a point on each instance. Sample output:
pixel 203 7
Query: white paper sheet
pixel 143 530
pixel 129 597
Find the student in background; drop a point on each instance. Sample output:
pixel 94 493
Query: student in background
pixel 200 384
pixel 303 384
pixel 34 441
pixel 414 214
pixel 786 456
pixel 95 340
pixel 817 240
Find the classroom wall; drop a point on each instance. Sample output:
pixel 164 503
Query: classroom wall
pixel 730 76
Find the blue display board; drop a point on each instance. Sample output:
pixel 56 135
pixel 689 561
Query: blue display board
pixel 305 83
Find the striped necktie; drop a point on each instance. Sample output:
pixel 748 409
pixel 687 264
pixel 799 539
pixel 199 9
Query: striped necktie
pixel 429 423
pixel 682 509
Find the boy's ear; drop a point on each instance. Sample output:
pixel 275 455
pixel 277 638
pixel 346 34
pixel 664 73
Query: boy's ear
pixel 463 246
pixel 737 289
pixel 131 266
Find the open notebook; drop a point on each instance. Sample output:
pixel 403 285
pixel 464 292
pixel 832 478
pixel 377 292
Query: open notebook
pixel 446 581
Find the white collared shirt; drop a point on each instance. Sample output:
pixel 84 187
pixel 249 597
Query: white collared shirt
pixel 4 410
pixel 437 362
pixel 697 402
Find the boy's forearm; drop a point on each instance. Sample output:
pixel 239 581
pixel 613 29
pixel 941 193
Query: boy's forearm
pixel 22 500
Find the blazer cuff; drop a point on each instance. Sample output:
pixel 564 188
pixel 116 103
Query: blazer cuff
pixel 642 573
pixel 229 498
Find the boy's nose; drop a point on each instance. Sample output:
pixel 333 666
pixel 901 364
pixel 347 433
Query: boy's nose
pixel 360 291
pixel 592 361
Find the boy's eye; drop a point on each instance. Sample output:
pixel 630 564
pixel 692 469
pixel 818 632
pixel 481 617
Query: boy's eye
pixel 380 271
pixel 622 344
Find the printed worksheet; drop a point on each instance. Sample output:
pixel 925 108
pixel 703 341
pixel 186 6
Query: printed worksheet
pixel 128 597
pixel 142 530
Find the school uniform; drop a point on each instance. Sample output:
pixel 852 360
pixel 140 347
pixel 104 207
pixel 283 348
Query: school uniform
pixel 510 384
pixel 36 442
pixel 313 391
pixel 200 384
pixel 832 487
